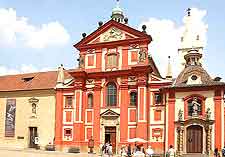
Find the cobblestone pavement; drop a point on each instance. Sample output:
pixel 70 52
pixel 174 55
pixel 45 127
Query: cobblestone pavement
pixel 40 153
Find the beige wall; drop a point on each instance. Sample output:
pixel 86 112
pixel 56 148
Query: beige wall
pixel 44 121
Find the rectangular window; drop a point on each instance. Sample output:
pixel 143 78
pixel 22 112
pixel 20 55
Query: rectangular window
pixel 157 97
pixel 68 132
pixel 112 60
pixel 68 102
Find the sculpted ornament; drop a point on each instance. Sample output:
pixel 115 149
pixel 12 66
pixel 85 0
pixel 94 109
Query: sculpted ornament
pixel 142 54
pixel 208 114
pixel 180 115
pixel 195 106
pixel 112 35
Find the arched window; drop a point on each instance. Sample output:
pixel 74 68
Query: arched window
pixel 90 100
pixel 133 99
pixel 111 94
pixel 194 106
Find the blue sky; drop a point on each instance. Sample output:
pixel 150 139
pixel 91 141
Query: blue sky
pixel 70 18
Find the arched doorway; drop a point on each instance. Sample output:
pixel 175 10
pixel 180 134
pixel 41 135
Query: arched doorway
pixel 194 139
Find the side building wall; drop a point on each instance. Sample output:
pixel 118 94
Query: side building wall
pixel 44 119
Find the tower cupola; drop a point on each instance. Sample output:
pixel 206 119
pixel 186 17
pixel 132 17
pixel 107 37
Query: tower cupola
pixel 193 57
pixel 117 13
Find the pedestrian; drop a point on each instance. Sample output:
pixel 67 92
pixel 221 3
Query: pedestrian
pixel 135 148
pixel 110 153
pixel 129 151
pixel 216 153
pixel 223 151
pixel 149 151
pixel 171 152
pixel 139 153
pixel 123 152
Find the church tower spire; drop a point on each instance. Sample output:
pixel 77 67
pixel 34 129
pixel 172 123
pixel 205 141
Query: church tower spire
pixel 191 40
pixel 117 13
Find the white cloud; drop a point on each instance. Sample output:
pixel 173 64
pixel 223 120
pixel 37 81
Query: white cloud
pixel 24 68
pixel 166 36
pixel 14 29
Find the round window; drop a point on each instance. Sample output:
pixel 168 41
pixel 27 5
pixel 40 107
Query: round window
pixel 194 77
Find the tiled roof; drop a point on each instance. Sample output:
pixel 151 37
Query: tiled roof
pixel 30 81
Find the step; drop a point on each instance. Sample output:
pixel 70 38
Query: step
pixel 194 155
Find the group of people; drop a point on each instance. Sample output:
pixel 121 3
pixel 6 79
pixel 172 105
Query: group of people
pixel 107 149
pixel 138 151
pixel 217 154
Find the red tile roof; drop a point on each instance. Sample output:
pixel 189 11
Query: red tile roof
pixel 29 81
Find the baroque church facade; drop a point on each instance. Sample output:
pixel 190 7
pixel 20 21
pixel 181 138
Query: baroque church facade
pixel 117 94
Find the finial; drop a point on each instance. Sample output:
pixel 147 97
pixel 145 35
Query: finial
pixel 117 3
pixel 100 23
pixel 84 35
pixel 126 20
pixel 189 11
pixel 144 28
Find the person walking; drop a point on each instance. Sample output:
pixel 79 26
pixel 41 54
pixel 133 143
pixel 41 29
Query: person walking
pixel 149 151
pixel 216 153
pixel 110 153
pixel 171 152
pixel 223 152
pixel 129 151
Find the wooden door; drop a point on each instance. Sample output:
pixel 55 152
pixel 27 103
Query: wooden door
pixel 194 139
pixel 33 134
pixel 110 133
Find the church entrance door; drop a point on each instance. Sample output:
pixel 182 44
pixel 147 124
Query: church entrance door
pixel 194 139
pixel 110 136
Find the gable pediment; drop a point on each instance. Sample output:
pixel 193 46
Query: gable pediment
pixel 109 113
pixel 110 32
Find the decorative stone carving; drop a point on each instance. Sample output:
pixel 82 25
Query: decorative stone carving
pixel 208 114
pixel 180 115
pixel 89 51
pixel 81 62
pixel 113 34
pixel 195 106
pixel 142 54
pixel 134 46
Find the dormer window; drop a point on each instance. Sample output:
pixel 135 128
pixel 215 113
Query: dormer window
pixel 194 77
pixel 27 79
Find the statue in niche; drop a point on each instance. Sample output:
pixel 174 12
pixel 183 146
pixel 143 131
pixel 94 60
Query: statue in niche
pixel 208 114
pixel 81 61
pixel 34 108
pixel 195 106
pixel 180 115
pixel 142 55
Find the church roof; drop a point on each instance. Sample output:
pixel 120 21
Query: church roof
pixel 184 77
pixel 29 81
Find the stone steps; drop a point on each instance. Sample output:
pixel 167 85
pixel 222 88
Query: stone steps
pixel 194 155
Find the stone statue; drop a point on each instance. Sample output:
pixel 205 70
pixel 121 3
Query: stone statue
pixel 142 55
pixel 180 115
pixel 208 114
pixel 195 106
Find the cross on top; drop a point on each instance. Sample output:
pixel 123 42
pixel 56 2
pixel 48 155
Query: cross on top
pixel 189 11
